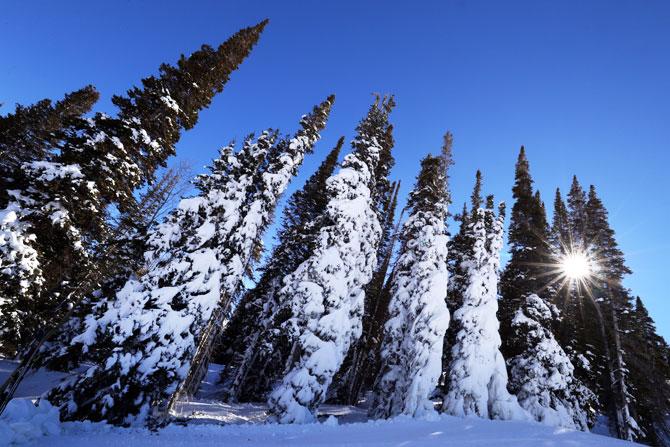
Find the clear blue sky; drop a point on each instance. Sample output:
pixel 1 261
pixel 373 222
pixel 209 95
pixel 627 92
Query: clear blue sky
pixel 584 85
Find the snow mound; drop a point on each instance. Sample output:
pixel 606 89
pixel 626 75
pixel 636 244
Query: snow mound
pixel 23 422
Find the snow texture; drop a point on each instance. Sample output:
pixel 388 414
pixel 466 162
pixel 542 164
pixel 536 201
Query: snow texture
pixel 401 431
pixel 543 379
pixel 244 425
pixel 478 375
pixel 18 259
pixel 23 422
pixel 326 291
pixel 411 354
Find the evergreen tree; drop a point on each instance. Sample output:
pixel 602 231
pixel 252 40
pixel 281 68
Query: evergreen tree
pixel 65 171
pixel 574 335
pixel 612 305
pixel 48 207
pixel 477 377
pixel 560 237
pixel 525 273
pixel 412 350
pixel 327 290
pixel 577 216
pixel 152 333
pixel 125 253
pixel 356 371
pixel 560 228
pixel 527 317
pixel 461 248
pixel 648 362
pixel 543 377
pixel 254 345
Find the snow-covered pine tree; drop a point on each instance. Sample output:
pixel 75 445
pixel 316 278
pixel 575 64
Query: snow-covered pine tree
pixel 460 249
pixel 181 255
pixel 152 331
pixel 534 356
pixel 327 290
pixel 48 207
pixel 124 257
pixel 254 345
pixel 543 377
pixel 64 172
pixel 411 357
pixel 355 370
pixel 477 383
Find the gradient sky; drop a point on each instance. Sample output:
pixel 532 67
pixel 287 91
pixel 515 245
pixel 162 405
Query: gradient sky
pixel 584 85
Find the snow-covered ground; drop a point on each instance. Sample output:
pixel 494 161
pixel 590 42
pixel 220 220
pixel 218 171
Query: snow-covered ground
pixel 212 423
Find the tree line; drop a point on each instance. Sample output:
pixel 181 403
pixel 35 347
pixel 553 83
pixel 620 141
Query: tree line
pixel 357 299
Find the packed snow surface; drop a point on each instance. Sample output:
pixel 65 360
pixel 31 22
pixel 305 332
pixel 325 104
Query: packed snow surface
pixel 244 426
pixel 402 431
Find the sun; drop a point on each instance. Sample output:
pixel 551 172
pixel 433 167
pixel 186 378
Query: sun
pixel 576 265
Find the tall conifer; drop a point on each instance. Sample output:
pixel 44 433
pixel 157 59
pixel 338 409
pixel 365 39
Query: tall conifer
pixel 327 291
pixel 65 171
pixel 528 318
pixel 254 345
pixel 412 350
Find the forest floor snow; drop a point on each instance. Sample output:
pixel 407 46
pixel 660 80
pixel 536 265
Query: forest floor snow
pixel 213 423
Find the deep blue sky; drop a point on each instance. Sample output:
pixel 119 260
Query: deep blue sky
pixel 584 85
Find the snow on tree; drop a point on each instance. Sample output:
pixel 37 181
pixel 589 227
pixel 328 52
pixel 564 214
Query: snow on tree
pixel 477 383
pixel 356 368
pixel 64 171
pixel 181 264
pixel 255 347
pixel 49 207
pixel 327 290
pixel 459 250
pixel 150 331
pixel 411 354
pixel 124 256
pixel 543 379
pixel 358 371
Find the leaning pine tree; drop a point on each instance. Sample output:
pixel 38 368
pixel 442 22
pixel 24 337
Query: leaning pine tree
pixel 61 171
pixel 254 346
pixel 477 382
pixel 194 265
pixel 411 356
pixel 355 370
pixel 327 290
